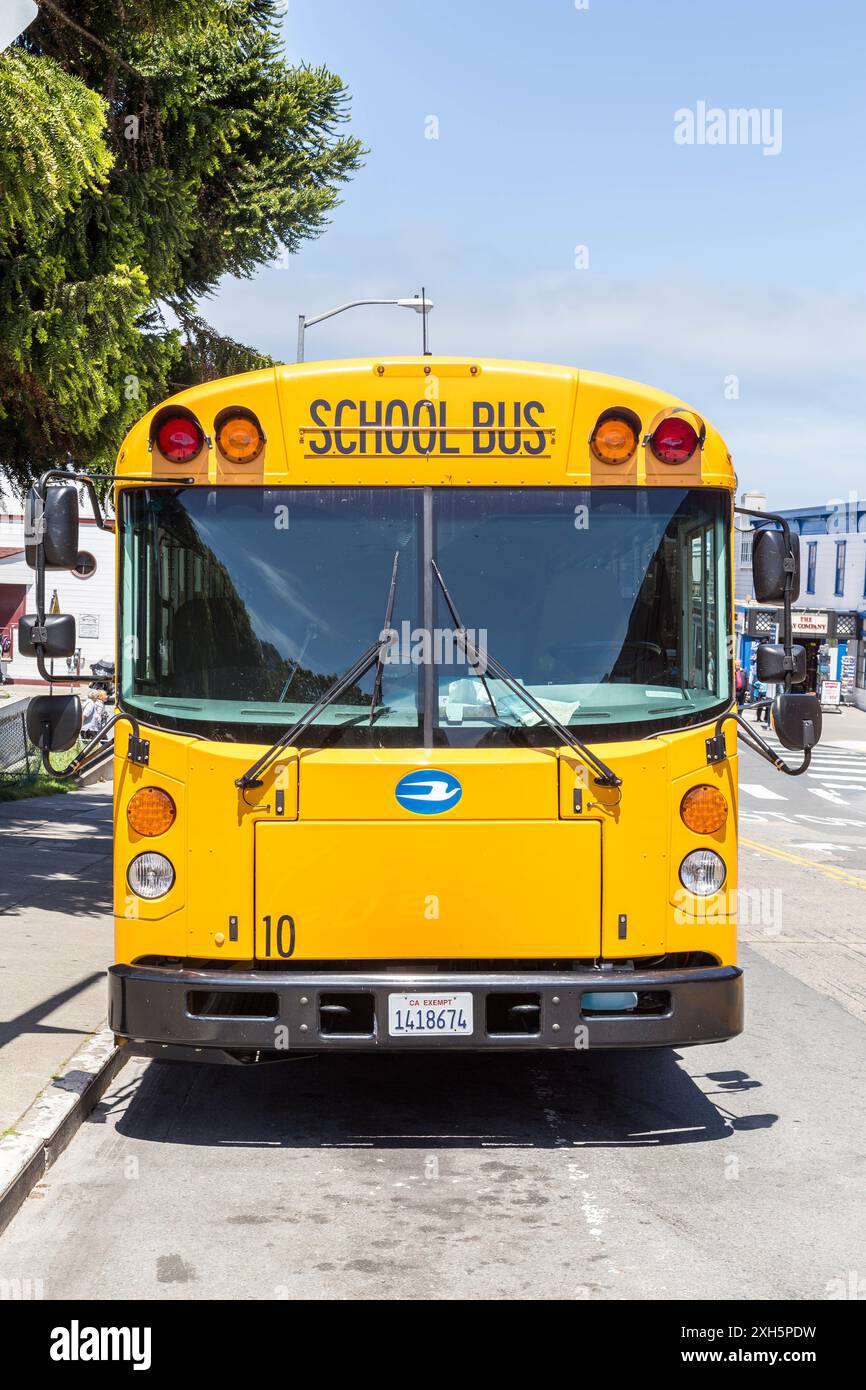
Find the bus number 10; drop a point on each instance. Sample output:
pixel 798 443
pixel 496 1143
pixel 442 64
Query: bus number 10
pixel 285 936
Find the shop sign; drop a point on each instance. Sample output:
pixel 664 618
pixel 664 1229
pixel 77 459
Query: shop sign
pixel 809 623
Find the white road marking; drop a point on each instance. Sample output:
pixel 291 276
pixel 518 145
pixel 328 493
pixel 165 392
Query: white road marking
pixel 834 797
pixel 832 820
pixel 762 793
pixel 833 753
pixel 840 763
pixel 831 775
pixel 822 844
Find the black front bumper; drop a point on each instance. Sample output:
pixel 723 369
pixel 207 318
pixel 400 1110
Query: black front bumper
pixel 186 1014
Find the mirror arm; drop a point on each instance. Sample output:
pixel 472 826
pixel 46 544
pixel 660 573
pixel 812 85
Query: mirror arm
pixel 138 750
pixel 40 664
pixel 87 482
pixel 38 635
pixel 717 751
pixel 40 487
pixel 787 634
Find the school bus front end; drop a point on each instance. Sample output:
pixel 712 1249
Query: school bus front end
pixel 426 654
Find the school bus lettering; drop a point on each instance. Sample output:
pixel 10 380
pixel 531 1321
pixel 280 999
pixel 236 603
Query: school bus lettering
pixel 398 427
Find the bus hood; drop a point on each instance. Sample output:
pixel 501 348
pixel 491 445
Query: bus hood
pixel 453 857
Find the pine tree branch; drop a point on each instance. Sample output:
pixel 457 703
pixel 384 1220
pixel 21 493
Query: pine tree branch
pixel 64 18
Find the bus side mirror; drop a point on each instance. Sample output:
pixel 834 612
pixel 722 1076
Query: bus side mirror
pixel 52 523
pixel 770 663
pixel 797 721
pixel 769 553
pixel 55 635
pixel 54 722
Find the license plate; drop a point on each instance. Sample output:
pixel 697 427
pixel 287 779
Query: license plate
pixel 430 1015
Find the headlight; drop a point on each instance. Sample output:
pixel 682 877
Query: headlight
pixel 150 875
pixel 702 872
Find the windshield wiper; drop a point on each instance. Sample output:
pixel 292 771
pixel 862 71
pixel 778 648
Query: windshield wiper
pixel 254 776
pixel 604 777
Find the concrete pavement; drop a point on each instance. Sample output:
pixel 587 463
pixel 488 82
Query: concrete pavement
pixel 55 936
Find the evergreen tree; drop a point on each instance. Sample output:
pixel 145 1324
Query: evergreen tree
pixel 147 148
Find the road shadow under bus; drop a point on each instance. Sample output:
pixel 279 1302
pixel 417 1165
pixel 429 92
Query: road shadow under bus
pixel 433 1101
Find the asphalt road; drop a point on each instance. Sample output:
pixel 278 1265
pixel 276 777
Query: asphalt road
pixel 718 1172
pixel 821 813
pixel 803 867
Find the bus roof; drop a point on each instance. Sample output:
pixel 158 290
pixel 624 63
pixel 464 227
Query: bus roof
pixel 434 421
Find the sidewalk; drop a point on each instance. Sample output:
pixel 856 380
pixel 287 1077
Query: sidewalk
pixel 845 728
pixel 13 701
pixel 55 936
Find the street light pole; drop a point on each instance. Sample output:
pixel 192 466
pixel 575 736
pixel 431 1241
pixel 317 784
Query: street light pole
pixel 419 303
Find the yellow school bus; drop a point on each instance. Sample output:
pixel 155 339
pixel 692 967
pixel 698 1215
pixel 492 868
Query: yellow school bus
pixel 428 668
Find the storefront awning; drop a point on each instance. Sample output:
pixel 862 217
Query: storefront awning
pixel 819 623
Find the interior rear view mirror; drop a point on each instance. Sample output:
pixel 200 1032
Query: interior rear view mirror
pixel 770 663
pixel 54 722
pixel 53 523
pixel 797 721
pixel 768 565
pixel 56 635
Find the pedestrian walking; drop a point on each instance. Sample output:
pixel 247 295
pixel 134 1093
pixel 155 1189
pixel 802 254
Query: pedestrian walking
pixel 741 685
pixel 94 714
pixel 759 698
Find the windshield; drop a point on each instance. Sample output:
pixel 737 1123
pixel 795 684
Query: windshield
pixel 240 607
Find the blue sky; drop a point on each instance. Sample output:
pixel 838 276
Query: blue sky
pixel 556 130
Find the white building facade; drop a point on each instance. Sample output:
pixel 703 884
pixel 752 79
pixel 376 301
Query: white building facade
pixel 829 615
pixel 87 592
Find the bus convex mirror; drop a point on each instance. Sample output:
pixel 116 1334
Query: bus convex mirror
pixel 768 565
pixel 55 634
pixel 53 523
pixel 770 663
pixel 797 720
pixel 54 722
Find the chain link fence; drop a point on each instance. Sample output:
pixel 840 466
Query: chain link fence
pixel 19 760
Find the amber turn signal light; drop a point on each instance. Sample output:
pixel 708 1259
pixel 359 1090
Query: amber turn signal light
pixel 615 436
pixel 239 436
pixel 150 811
pixel 704 810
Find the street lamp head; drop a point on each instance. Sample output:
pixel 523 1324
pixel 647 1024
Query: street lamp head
pixel 418 304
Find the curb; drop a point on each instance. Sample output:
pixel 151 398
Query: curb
pixel 102 771
pixel 43 1131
